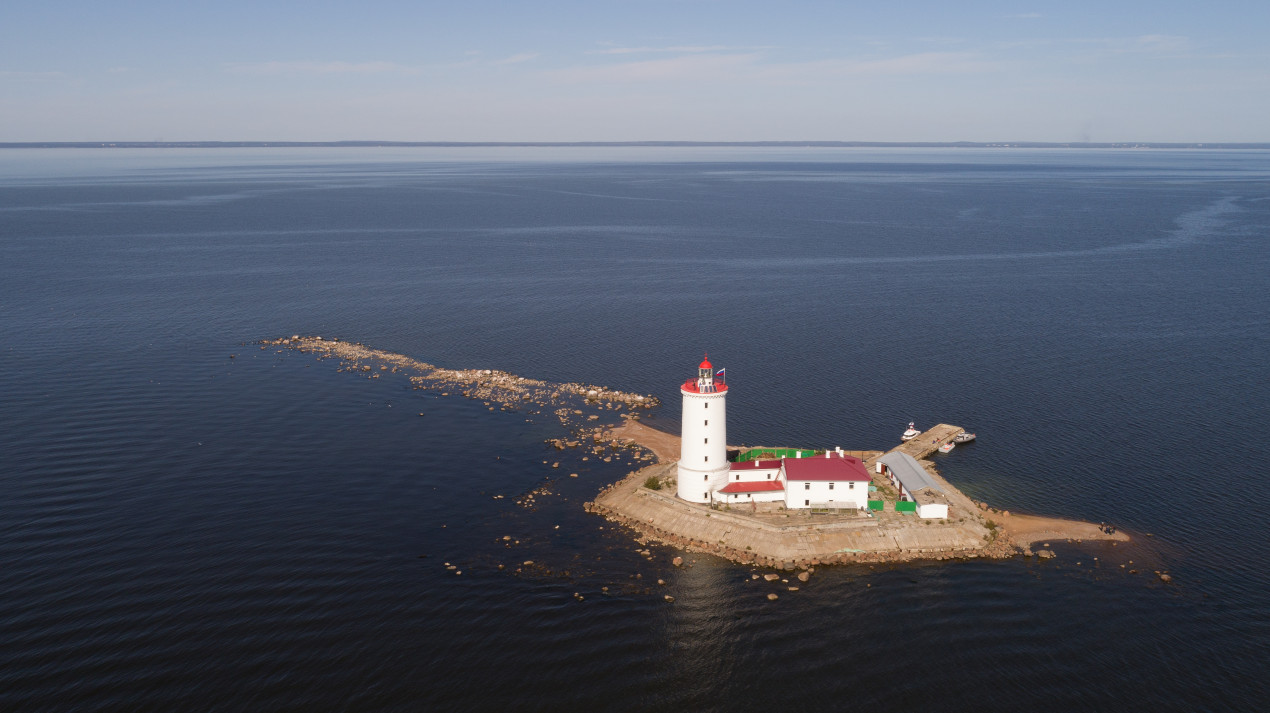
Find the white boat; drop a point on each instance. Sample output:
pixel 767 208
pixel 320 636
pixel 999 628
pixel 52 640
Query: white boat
pixel 911 433
pixel 947 447
pixel 963 437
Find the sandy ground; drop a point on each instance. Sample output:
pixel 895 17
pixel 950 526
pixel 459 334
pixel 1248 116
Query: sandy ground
pixel 663 445
pixel 1027 530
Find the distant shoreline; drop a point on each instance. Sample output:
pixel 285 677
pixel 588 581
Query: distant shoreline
pixel 623 144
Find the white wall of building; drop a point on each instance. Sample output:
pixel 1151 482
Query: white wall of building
pixel 802 494
pixel 769 496
pixel 932 510
pixel 703 457
pixel 749 475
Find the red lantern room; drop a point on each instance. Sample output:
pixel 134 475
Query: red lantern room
pixel 707 382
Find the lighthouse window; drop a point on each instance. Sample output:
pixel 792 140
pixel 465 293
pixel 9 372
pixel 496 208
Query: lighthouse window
pixel 707 459
pixel 707 422
pixel 707 440
pixel 706 477
pixel 707 404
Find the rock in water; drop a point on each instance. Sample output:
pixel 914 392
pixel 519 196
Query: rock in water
pixel 678 561
pixel 804 576
pixel 772 597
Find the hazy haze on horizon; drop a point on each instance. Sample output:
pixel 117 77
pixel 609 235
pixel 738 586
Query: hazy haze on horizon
pixel 659 70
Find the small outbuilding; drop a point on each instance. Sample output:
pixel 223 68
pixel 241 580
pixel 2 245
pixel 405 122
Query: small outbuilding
pixel 914 484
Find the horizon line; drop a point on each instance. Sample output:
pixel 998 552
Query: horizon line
pixel 688 144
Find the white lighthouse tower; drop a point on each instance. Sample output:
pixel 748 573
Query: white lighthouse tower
pixel 703 455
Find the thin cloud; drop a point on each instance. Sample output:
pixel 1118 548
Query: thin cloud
pixel 1142 44
pixel 318 68
pixel 677 49
pixel 517 58
pixel 1026 16
pixel 686 68
pixel 922 63
pixel 21 76
pixel 751 67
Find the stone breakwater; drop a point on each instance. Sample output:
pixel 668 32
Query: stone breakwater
pixel 660 517
pixel 797 538
pixel 495 388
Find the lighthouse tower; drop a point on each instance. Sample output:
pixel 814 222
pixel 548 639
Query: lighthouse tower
pixel 703 456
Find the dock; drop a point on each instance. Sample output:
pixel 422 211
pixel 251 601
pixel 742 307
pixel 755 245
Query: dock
pixel 929 441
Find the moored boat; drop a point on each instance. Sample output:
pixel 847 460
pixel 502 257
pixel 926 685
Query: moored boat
pixel 911 433
pixel 947 447
pixel 963 437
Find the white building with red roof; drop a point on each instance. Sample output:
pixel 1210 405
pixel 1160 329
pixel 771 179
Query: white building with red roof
pixel 833 480
pixel 755 481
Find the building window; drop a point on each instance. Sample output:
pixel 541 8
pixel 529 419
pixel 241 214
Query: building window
pixel 707 422
pixel 738 476
pixel 806 486
pixel 707 459
pixel 831 486
pixel 807 502
pixel 706 477
pixel 707 440
pixel 769 476
pixel 707 404
pixel 850 486
pixel 705 496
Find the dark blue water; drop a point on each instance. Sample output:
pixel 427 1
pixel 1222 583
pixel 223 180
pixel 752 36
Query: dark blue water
pixel 184 531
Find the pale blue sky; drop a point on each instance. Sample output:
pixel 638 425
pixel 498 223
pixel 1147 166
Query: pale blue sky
pixel 637 70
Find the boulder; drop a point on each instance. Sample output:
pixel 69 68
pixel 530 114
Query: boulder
pixel 1045 554
pixel 678 561
pixel 804 576
pixel 772 597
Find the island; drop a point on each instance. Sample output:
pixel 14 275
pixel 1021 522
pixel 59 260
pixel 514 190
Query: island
pixel 797 507
pixel 767 506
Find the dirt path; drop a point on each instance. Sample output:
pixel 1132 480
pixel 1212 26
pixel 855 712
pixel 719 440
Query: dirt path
pixel 663 445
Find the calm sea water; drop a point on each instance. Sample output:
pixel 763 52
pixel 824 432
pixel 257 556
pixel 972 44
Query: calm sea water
pixel 184 531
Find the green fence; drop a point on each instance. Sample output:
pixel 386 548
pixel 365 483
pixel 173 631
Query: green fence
pixel 906 506
pixel 876 505
pixel 772 454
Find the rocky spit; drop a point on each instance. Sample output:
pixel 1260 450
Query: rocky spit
pixel 591 411
pixel 496 389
